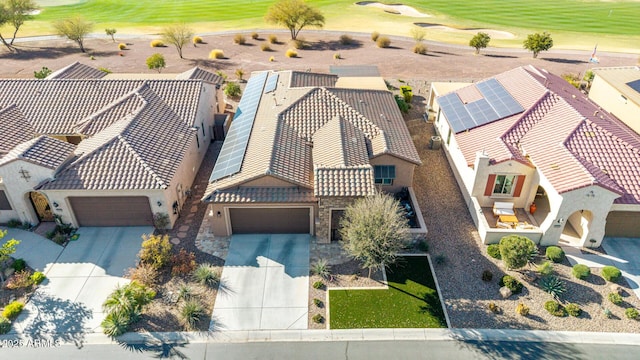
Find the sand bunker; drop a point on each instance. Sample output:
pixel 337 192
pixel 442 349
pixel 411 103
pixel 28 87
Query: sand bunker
pixel 495 34
pixel 395 9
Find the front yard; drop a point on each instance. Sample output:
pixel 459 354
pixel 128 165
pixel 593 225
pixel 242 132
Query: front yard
pixel 410 301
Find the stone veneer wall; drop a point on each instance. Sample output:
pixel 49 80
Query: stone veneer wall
pixel 326 204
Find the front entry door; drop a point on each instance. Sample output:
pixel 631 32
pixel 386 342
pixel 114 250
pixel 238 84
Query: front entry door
pixel 42 207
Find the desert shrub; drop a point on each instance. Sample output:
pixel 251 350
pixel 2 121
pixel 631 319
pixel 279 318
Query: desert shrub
pixel 423 246
pixel 573 309
pixel 50 234
pixel 420 48
pixel 516 251
pixel 105 70
pixel 12 310
pixel 631 313
pixel 572 79
pixel 291 53
pixel 19 264
pixel 512 283
pixel 554 308
pixel 555 254
pixel 197 40
pixel 19 280
pixel 37 278
pixel 615 298
pixel 494 251
pixel 318 284
pixel 607 313
pixel 581 271
pixel 546 268
pixel 122 46
pixel 272 39
pixel 318 318
pixel 191 313
pixel 216 54
pixel 337 56
pixel 440 259
pixel 157 43
pixel 272 59
pixel 123 306
pixel 185 292
pixel 59 238
pixel 206 274
pixel 5 325
pixel 493 307
pixel 145 274
pixel 553 285
pixel 321 268
pixel 265 47
pixel 14 223
pixel 383 42
pixel 346 40
pixel 374 36
pixel 115 324
pixel 155 251
pixel 318 302
pixel 160 220
pixel 402 104
pixel 487 275
pixel 522 309
pixel 239 39
pixel 255 36
pixel 611 273
pixel 232 89
pixel 183 263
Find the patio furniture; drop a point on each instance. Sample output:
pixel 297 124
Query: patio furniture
pixel 508 219
pixel 503 208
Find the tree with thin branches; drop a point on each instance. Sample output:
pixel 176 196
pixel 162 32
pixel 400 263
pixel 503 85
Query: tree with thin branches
pixel 479 41
pixel 15 13
pixel 374 229
pixel 75 29
pixel 177 35
pixel 294 15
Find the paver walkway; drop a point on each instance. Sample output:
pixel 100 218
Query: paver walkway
pixel 265 284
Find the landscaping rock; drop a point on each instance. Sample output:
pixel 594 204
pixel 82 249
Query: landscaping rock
pixel 505 292
pixel 529 276
pixel 616 289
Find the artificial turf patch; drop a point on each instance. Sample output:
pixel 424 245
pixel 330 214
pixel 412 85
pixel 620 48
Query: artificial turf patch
pixel 411 301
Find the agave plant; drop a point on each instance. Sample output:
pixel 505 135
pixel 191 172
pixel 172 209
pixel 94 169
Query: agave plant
pixel 553 286
pixel 322 269
pixel 191 313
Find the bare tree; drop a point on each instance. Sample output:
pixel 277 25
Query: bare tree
pixel 177 35
pixel 294 15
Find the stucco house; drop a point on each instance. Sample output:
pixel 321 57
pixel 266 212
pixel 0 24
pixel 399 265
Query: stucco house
pixel 100 152
pixel 300 149
pixel 617 90
pixel 527 136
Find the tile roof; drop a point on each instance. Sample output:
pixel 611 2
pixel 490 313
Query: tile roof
pixel 43 150
pixel 562 133
pixel 309 79
pixel 15 129
pixel 56 107
pixel 263 195
pixel 106 116
pixel 77 71
pixel 143 150
pixel 198 73
pixel 297 128
pixel 345 181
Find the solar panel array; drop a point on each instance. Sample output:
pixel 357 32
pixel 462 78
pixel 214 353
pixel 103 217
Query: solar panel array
pixel 496 104
pixel 635 85
pixel 232 153
pixel 272 83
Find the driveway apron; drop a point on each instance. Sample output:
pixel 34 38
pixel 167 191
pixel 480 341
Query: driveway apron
pixel 265 283
pixel 626 253
pixel 69 302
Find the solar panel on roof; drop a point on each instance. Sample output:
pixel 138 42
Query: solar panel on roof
pixel 235 144
pixel 499 98
pixel 272 83
pixel 635 85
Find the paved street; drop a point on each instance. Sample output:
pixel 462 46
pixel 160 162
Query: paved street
pixel 264 283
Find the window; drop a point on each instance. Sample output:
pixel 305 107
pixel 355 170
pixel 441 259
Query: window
pixel 197 140
pixel 449 137
pixel 384 174
pixel 4 202
pixel 202 127
pixel 504 184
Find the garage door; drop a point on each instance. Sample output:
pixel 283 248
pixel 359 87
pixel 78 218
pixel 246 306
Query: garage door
pixel 623 224
pixel 269 220
pixel 112 211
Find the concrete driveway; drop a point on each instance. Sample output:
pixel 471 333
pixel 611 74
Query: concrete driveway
pixel 265 284
pixel 625 254
pixel 79 278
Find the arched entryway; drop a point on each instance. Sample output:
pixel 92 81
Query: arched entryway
pixel 41 206
pixel 576 228
pixel 542 207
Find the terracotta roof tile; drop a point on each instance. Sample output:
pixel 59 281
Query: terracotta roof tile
pixel 198 73
pixel 343 181
pixel 77 71
pixel 15 129
pixel 263 195
pixel 309 79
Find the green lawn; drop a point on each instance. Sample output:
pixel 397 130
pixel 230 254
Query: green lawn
pixel 410 302
pixel 603 17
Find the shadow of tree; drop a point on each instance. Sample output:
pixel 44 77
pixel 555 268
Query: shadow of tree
pixel 61 320
pixel 565 61
pixel 25 52
pixel 154 343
